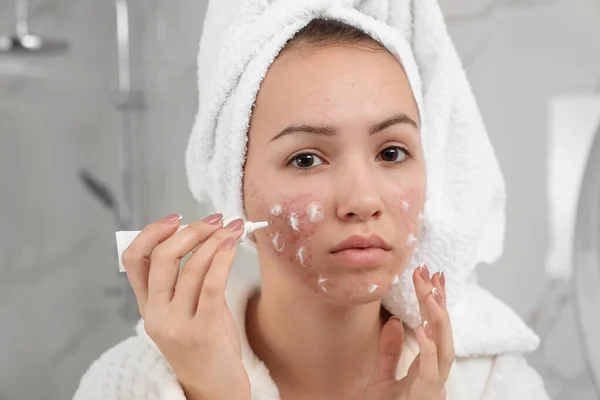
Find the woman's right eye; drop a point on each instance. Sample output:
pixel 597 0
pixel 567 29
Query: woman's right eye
pixel 305 161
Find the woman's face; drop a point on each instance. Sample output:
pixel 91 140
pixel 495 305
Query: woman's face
pixel 335 165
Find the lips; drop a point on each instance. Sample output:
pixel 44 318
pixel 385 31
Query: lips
pixel 361 251
pixel 357 242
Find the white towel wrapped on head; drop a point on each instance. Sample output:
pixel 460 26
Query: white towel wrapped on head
pixel 464 210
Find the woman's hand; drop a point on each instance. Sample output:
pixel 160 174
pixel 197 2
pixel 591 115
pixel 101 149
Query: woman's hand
pixel 186 315
pixel 427 375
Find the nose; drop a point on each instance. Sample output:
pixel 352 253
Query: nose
pixel 358 194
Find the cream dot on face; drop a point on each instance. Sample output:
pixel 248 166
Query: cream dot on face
pixel 395 279
pixel 276 210
pixel 301 256
pixel 420 216
pixel 315 212
pixel 321 283
pixel 373 287
pixel 405 205
pixel 294 222
pixel 411 240
pixel 278 242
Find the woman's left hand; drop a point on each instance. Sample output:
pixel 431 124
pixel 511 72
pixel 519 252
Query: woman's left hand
pixel 427 375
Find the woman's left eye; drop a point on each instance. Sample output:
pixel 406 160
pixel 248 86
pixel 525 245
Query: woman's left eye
pixel 393 154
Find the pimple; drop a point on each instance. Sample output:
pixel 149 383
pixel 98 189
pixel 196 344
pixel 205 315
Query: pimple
pixel 373 287
pixel 276 210
pixel 301 256
pixel 315 212
pixel 405 205
pixel 278 247
pixel 322 283
pixel 411 240
pixel 294 221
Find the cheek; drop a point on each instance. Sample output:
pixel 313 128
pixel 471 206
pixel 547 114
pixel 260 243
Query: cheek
pixel 406 204
pixel 292 222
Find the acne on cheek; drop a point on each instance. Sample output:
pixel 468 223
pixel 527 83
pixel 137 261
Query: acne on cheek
pixel 291 223
pixel 408 204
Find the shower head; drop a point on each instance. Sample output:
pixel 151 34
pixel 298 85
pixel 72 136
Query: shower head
pixel 31 44
pixel 24 42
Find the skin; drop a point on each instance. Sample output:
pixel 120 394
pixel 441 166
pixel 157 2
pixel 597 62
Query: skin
pixel 317 344
pixel 349 90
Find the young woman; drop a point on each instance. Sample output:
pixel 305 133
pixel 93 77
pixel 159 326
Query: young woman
pixel 335 164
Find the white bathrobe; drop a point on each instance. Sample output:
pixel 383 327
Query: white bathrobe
pixel 134 369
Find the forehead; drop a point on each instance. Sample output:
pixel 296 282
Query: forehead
pixel 332 85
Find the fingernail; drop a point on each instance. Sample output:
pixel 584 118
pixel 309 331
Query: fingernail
pixel 395 317
pixel 442 278
pixel 425 273
pixel 236 224
pixel 227 243
pixel 172 218
pixel 437 297
pixel 214 219
pixel 427 329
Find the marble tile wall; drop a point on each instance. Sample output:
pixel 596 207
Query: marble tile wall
pixel 62 303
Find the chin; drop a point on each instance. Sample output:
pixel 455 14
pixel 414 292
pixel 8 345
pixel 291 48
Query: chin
pixel 353 285
pixel 358 299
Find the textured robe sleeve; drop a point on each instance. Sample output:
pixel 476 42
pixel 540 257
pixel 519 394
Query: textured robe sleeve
pixel 131 370
pixel 513 378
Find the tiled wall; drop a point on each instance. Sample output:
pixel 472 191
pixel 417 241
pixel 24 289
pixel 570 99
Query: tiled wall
pixel 61 300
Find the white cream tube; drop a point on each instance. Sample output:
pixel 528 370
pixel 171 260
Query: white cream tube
pixel 124 238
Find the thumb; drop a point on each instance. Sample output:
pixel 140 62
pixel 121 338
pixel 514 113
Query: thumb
pixel 390 350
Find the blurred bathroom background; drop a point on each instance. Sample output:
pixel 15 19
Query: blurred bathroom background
pixel 98 96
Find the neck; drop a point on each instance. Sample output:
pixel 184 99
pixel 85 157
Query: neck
pixel 310 346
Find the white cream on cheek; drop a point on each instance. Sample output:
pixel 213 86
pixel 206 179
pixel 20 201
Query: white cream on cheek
pixel 276 242
pixel 315 212
pixel 373 287
pixel 411 240
pixel 294 222
pixel 276 210
pixel 321 283
pixel 301 256
pixel 405 205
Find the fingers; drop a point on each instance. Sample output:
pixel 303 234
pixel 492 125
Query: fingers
pixel 390 350
pixel 442 327
pixel 136 257
pixel 423 286
pixel 428 360
pixel 212 294
pixel 415 367
pixel 166 257
pixel 192 280
pixel 439 280
pixel 432 299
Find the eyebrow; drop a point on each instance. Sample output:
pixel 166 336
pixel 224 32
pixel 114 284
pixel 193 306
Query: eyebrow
pixel 329 131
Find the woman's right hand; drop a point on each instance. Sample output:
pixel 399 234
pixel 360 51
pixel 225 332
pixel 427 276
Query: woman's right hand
pixel 186 315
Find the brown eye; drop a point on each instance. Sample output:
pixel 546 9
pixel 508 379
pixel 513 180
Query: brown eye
pixel 393 154
pixel 305 161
